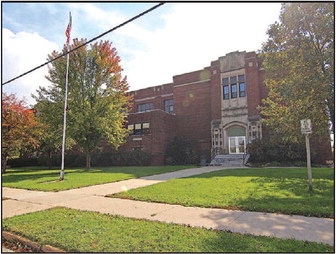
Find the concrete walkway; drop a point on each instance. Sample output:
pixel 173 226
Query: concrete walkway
pixel 92 199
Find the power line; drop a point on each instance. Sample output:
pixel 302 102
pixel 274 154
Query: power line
pixel 93 39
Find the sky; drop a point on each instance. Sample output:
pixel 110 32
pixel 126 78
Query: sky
pixel 174 39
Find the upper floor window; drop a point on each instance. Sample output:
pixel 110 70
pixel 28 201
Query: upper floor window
pixel 145 107
pixel 169 106
pixel 234 86
pixel 226 92
pixel 242 85
pixel 233 91
pixel 242 90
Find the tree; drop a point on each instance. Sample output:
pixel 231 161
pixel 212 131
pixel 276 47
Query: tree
pixel 51 138
pixel 299 66
pixel 97 99
pixel 20 129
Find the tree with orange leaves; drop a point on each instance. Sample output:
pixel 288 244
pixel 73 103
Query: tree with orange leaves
pixel 97 98
pixel 19 128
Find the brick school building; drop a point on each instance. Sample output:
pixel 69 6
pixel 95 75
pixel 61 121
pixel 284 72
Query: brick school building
pixel 216 108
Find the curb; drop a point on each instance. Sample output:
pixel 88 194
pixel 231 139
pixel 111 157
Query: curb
pixel 37 247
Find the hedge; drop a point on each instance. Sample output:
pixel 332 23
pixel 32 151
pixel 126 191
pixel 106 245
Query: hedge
pixel 118 158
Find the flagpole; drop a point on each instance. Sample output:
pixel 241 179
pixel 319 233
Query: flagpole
pixel 65 102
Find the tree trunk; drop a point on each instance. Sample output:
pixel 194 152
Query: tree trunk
pixel 50 160
pixel 88 160
pixel 4 164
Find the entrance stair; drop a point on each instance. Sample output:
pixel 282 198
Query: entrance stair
pixel 228 160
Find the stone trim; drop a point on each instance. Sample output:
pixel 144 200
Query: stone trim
pixel 144 99
pixel 153 97
pixel 192 83
pixel 149 112
pixel 232 70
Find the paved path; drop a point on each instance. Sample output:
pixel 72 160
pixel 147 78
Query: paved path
pixel 92 199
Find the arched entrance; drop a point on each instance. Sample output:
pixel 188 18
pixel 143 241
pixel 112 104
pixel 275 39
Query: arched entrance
pixel 236 139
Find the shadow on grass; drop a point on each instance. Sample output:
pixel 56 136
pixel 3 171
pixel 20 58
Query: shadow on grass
pixel 13 178
pixel 318 173
pixel 34 174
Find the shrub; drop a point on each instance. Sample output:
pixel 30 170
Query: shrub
pixel 23 162
pixel 180 152
pixel 273 150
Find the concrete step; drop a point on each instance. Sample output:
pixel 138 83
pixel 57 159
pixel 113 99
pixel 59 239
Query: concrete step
pixel 228 160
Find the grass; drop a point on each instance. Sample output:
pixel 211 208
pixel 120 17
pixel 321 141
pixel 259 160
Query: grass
pixel 283 190
pixel 82 231
pixel 37 178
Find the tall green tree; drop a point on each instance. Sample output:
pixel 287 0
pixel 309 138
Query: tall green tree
pixel 299 65
pixel 97 99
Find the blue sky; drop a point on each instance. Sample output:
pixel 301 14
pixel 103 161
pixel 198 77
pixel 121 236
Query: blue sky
pixel 173 39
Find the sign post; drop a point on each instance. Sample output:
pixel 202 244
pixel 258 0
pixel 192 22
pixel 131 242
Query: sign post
pixel 306 129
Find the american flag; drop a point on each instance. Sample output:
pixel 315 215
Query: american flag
pixel 68 30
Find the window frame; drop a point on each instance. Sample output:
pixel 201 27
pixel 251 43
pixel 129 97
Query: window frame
pixel 170 106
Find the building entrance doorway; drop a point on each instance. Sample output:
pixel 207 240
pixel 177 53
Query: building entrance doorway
pixel 237 145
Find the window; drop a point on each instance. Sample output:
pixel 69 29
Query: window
pixel 241 78
pixel 130 127
pixel 233 82
pixel 145 128
pixel 225 81
pixel 233 91
pixel 138 128
pixel 242 85
pixel 234 85
pixel 169 106
pixel 242 90
pixel 145 107
pixel 226 92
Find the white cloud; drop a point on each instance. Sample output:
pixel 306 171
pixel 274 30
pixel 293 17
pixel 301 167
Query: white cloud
pixel 194 35
pixel 191 36
pixel 21 52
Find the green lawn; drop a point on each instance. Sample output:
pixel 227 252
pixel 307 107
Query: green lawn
pixel 283 190
pixel 82 231
pixel 37 178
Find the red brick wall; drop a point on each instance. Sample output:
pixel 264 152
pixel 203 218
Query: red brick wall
pixel 215 91
pixel 192 104
pixel 154 94
pixel 253 83
pixel 162 131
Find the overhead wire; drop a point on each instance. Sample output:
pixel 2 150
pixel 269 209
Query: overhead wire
pixel 82 45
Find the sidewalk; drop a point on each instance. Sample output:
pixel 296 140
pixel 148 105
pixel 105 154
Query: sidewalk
pixel 92 199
